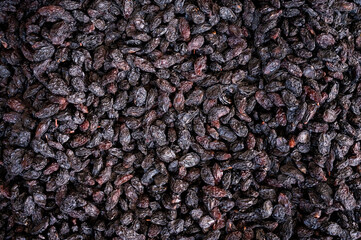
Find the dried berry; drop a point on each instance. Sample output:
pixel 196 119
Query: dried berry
pixel 175 119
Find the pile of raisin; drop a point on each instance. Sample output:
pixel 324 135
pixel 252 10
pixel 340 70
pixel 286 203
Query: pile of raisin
pixel 180 119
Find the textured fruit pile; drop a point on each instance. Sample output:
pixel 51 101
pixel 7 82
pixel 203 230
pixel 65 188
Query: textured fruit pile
pixel 180 119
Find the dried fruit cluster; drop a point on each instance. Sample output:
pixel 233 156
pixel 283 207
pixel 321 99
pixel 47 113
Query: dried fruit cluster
pixel 180 119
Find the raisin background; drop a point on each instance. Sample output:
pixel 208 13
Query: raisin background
pixel 180 119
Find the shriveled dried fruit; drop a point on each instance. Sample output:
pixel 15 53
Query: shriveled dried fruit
pixel 175 119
